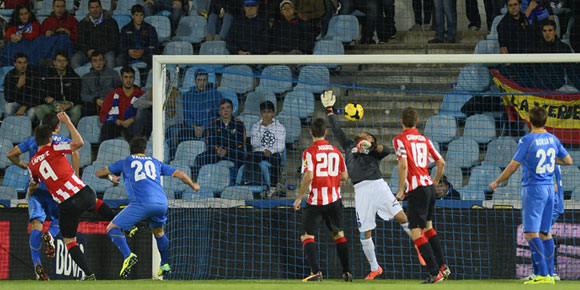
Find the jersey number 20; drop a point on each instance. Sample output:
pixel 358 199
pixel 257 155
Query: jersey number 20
pixel 149 170
pixel 327 164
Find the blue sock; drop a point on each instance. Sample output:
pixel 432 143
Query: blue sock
pixel 534 269
pixel 54 228
pixel 549 255
pixel 119 239
pixel 35 246
pixel 537 249
pixel 163 246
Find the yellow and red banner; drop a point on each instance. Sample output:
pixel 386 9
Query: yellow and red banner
pixel 563 108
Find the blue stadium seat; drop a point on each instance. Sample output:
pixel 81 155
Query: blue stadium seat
pixel 124 7
pixel 16 177
pixel 453 102
pixel 454 175
pixel 473 78
pixel 575 154
pixel 174 184
pixel 481 177
pixel 576 194
pixel 178 48
pixel 500 151
pixel 343 28
pixel 513 188
pixel 116 192
pixel 162 25
pixel 238 79
pixel 84 6
pixel 480 127
pixel 394 181
pixel 253 101
pixel 213 47
pixel 265 178
pixel 122 20
pixel 487 46
pixel 313 78
pixel 212 179
pixel 441 128
pixel 46 9
pixel 137 81
pixel 99 185
pixel 7 192
pixel 149 150
pixel 187 151
pixel 90 128
pixel 238 192
pixel 111 151
pixel 292 126
pixel 16 128
pixel 299 104
pixel 249 120
pixel 86 155
pixel 463 152
pixel 83 69
pixel 191 29
pixel 275 79
pixel 5 146
pixel 330 47
pixel 570 177
pixel 493 33
pixel 232 97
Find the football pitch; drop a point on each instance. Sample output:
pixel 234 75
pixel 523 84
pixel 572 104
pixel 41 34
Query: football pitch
pixel 329 284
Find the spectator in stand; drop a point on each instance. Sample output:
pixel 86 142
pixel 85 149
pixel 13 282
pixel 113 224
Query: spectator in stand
pixel 445 12
pixel 445 190
pixel 249 33
pixel 291 35
pixel 138 41
pixel 22 88
pixel 97 31
pixel 225 140
pixel 60 22
pixel 176 7
pixel 117 114
pixel 492 9
pixel 220 18
pixel 62 90
pixel 513 29
pixel 550 42
pixel 380 17
pixel 194 112
pixel 311 11
pixel 422 15
pixel 268 139
pixel 97 84
pixel 537 11
pixel 22 25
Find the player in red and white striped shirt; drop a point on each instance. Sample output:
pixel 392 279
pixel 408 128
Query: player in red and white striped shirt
pixel 414 152
pixel 323 167
pixel 73 196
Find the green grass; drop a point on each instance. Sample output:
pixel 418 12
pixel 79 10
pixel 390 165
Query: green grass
pixel 278 285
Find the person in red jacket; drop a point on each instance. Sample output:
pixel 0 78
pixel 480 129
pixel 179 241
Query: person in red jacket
pixel 117 113
pixel 22 25
pixel 60 22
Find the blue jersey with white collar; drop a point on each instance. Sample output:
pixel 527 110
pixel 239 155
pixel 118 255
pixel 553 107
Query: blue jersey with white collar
pixel 537 153
pixel 142 177
pixel 29 145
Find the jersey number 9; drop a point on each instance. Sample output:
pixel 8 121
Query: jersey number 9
pixel 327 164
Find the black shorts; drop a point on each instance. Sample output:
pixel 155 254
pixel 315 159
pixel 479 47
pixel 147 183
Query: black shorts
pixel 421 205
pixel 73 208
pixel 315 214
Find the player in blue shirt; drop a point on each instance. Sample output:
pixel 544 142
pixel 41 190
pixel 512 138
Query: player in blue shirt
pixel 147 200
pixel 538 153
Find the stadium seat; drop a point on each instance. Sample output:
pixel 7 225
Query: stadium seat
pixel 493 33
pixel 162 25
pixel 191 29
pixel 3 71
pixel 5 146
pixel 473 78
pixel 513 189
pixel 124 7
pixel 90 128
pixel 175 184
pixel 187 151
pixel 116 192
pixel 329 47
pixel 46 9
pixel 7 192
pixel 249 120
pixel 576 194
pixel 253 101
pixel 16 128
pixel 265 178
pixel 570 177
pixel 275 79
pixel 213 178
pixel 122 20
pixel 84 6
pixel 99 185
pixel 178 48
pixel 500 151
pixel 238 79
pixel 487 46
pixel 453 174
pixel 86 157
pixel 83 69
pixel 111 151
pixel 292 126
pixel 463 152
pixel 149 150
pixel 575 154
pixel 394 181
pixel 137 81
pixel 480 178
pixel 480 127
pixel 313 78
pixel 16 177
pixel 344 28
pixel 213 47
pixel 453 102
pixel 299 104
pixel 441 128
pixel 238 192
pixel 232 97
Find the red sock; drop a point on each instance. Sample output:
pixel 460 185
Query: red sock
pixel 99 203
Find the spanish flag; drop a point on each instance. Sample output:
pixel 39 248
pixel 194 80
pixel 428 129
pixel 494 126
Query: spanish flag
pixel 563 108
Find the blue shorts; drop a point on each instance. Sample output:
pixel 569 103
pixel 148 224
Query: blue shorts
pixel 155 213
pixel 41 205
pixel 537 208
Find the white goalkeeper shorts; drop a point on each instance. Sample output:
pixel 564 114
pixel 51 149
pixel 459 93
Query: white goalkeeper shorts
pixel 374 197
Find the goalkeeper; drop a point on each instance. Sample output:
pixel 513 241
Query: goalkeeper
pixel 371 193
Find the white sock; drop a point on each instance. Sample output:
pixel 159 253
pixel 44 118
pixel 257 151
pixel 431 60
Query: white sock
pixel 405 227
pixel 369 250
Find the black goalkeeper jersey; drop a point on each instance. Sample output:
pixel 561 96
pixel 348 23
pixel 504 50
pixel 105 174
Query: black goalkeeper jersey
pixel 360 165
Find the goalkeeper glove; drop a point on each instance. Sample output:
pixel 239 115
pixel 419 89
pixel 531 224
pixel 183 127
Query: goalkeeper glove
pixel 364 145
pixel 328 99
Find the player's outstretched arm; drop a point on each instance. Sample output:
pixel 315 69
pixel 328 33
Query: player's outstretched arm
pixel 566 161
pixel 505 175
pixel 77 139
pixel 31 187
pixel 104 173
pixel 304 189
pixel 76 162
pixel 440 169
pixel 403 170
pixel 185 179
pixel 14 156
